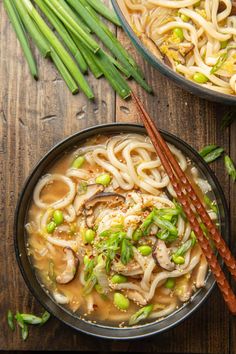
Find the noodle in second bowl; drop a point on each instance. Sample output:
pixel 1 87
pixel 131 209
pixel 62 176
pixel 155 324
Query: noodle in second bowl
pixel 197 39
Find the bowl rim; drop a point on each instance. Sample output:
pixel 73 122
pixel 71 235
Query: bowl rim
pixel 180 80
pixel 46 301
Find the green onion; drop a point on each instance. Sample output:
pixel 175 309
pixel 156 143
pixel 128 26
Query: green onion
pixel 200 78
pixel 222 58
pixel 126 251
pixel 107 37
pixel 74 16
pixel 88 57
pixel 60 28
pixel 10 320
pixel 21 35
pixel 112 75
pixel 23 326
pixel 58 8
pixel 33 30
pixel 210 204
pixel 59 49
pixel 223 44
pixel 230 167
pixel 89 285
pixel 104 11
pixel 31 319
pixel 140 315
pixel 45 317
pixel 166 225
pixel 118 65
pixel 207 149
pixel 110 72
pixel 213 155
pixel 228 119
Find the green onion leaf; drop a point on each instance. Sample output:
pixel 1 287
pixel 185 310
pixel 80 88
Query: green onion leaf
pixel 10 320
pixel 210 204
pixel 213 155
pixel 21 35
pixel 228 119
pixel 140 315
pixel 207 149
pixel 45 317
pixel 222 58
pixel 230 167
pixel 31 319
pixel 103 10
pixel 126 251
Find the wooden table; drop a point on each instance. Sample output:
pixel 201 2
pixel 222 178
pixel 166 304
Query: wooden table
pixel 36 115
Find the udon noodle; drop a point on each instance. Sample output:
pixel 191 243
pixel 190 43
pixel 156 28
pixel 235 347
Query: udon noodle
pixel 108 239
pixel 197 39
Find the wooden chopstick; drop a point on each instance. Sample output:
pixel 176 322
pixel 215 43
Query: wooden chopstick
pixel 188 198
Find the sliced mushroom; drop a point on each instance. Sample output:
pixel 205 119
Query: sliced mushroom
pixel 136 297
pixel 72 262
pixel 92 189
pixel 161 255
pixel 90 204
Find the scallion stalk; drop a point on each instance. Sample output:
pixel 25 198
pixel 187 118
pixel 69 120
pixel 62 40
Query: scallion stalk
pixel 59 49
pixel 108 39
pixel 118 65
pixel 60 28
pixel 70 23
pixel 21 35
pixel 103 10
pixel 70 82
pixel 88 57
pixel 118 83
pixel 33 30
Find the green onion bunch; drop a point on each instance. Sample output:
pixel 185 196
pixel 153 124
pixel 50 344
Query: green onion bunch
pixel 67 32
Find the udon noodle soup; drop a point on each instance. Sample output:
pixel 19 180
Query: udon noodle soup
pixel 197 39
pixel 108 239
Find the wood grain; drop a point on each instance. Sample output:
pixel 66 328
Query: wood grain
pixel 35 116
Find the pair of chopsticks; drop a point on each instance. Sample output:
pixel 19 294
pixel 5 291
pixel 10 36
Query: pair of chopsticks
pixel 188 199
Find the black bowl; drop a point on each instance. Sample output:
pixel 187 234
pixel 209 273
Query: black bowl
pixel 180 80
pixel 28 272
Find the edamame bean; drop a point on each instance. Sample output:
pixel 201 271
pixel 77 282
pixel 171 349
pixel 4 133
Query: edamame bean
pixel 137 234
pixel 120 301
pixel 184 18
pixel 178 32
pixel 78 162
pixel 178 259
pixel 145 250
pixel 51 227
pixel 103 179
pixel 170 283
pixel 89 236
pixel 58 217
pixel 118 279
pixel 200 78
